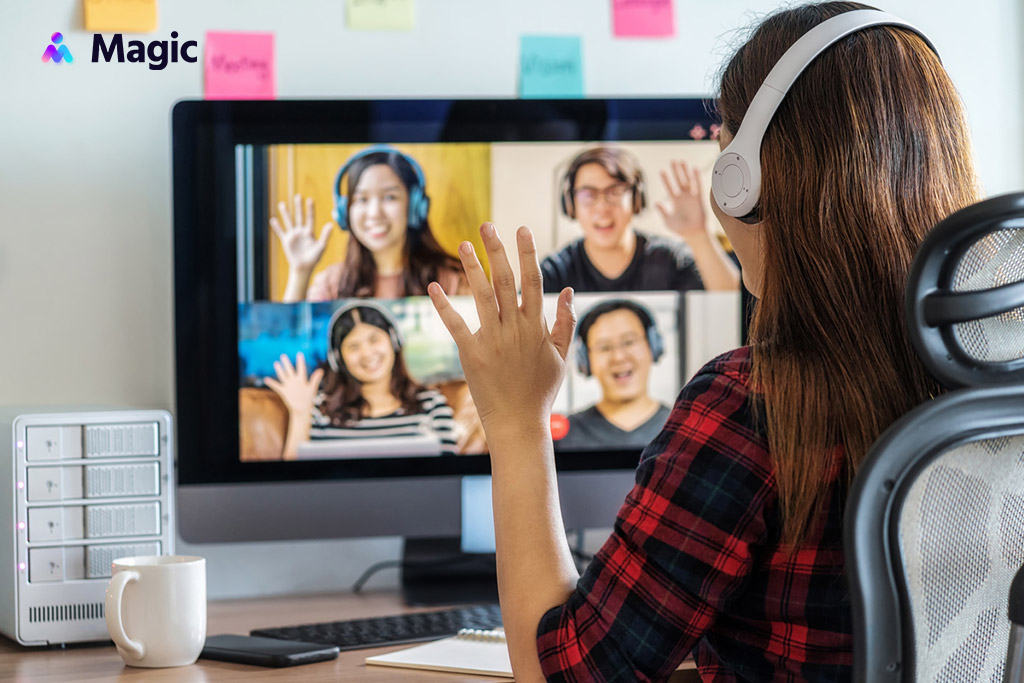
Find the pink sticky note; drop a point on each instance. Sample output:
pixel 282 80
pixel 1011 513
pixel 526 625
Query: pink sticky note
pixel 239 66
pixel 646 18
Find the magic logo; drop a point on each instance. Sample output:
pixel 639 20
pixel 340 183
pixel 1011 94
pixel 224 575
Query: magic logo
pixel 158 53
pixel 57 52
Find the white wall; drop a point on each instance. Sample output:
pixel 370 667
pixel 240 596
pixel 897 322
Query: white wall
pixel 85 189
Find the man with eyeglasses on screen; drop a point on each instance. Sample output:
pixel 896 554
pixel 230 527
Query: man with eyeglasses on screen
pixel 617 342
pixel 603 188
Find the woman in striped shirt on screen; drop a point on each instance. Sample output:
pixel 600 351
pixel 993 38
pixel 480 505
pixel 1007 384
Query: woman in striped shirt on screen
pixel 365 402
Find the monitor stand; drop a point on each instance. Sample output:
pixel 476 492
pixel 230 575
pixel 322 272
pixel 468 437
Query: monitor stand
pixel 435 571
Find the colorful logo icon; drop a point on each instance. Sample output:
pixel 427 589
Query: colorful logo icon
pixel 57 54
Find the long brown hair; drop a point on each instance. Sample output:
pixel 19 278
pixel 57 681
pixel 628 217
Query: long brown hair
pixel 866 153
pixel 423 257
pixel 343 403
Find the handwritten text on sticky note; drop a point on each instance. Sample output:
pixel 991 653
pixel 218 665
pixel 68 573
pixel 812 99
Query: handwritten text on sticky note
pixel 120 16
pixel 651 18
pixel 381 15
pixel 550 66
pixel 239 66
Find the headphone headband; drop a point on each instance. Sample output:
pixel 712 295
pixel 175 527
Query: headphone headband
pixel 736 180
pixel 419 202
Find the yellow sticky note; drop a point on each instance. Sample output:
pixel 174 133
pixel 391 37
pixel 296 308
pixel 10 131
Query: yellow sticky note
pixel 381 15
pixel 120 16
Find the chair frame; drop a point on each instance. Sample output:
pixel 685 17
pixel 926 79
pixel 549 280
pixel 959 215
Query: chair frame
pixel 883 627
pixel 933 308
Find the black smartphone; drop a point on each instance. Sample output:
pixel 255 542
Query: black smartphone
pixel 266 651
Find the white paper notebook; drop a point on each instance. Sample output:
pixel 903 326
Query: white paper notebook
pixel 471 651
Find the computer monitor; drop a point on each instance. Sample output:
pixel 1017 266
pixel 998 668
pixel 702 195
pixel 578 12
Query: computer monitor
pixel 371 432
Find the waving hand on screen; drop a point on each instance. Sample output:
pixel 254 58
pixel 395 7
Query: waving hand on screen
pixel 298 391
pixel 683 211
pixel 302 248
pixel 684 215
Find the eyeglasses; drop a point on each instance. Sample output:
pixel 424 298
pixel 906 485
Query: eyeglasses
pixel 588 196
pixel 629 344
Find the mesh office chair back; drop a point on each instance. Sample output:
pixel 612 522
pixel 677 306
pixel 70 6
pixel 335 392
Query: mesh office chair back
pixel 934 527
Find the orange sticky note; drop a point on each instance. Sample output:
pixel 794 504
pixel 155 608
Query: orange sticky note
pixel 239 66
pixel 120 16
pixel 643 18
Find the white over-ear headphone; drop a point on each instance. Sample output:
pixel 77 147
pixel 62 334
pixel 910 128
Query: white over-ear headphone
pixel 736 179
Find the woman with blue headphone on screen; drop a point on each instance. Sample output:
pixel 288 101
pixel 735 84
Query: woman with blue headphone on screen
pixel 365 391
pixel 844 141
pixel 391 251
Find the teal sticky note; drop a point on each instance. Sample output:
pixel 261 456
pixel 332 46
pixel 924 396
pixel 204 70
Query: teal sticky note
pixel 550 66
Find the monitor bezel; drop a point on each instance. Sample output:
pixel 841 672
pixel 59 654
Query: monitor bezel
pixel 204 138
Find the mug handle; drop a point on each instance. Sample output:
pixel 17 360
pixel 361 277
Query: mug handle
pixel 115 593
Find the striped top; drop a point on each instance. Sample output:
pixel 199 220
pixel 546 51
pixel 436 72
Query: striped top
pixel 435 418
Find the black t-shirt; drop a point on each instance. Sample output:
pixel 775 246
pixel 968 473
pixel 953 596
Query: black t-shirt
pixel 589 429
pixel 658 264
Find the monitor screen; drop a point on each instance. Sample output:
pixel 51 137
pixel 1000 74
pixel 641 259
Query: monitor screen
pixel 305 236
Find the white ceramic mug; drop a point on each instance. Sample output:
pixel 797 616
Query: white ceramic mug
pixel 156 609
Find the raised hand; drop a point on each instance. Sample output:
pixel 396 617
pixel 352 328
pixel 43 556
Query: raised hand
pixel 513 364
pixel 683 211
pixel 296 389
pixel 301 247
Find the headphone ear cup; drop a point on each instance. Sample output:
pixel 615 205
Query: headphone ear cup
pixel 419 208
pixel 396 340
pixel 655 342
pixel 333 360
pixel 639 195
pixel 567 202
pixel 582 357
pixel 736 180
pixel 341 212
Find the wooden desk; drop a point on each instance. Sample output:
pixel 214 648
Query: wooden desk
pixel 102 663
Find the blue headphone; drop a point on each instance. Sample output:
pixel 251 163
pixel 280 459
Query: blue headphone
pixel 419 202
pixel 654 340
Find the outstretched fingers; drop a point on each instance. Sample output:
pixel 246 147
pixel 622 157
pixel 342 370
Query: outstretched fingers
pixel 483 293
pixel 670 186
pixel 283 366
pixel 531 279
pixel 565 323
pixel 325 234
pixel 501 271
pixel 695 183
pixel 286 218
pixel 687 176
pixel 275 225
pixel 274 385
pixel 298 210
pixel 449 316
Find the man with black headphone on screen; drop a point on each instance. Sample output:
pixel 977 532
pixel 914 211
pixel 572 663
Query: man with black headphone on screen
pixel 617 342
pixel 602 189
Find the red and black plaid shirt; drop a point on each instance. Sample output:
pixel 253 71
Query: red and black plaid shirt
pixel 694 562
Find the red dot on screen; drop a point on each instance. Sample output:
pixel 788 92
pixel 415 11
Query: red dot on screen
pixel 559 426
